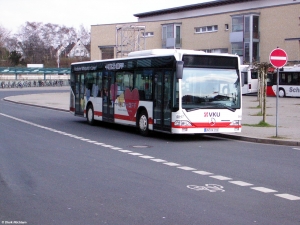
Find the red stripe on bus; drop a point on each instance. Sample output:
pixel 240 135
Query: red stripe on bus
pixel 98 113
pixel 270 91
pixel 208 125
pixel 127 118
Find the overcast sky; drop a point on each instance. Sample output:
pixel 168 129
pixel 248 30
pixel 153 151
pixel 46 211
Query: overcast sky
pixel 73 13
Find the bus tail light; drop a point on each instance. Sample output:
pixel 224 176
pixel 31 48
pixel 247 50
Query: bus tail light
pixel 249 86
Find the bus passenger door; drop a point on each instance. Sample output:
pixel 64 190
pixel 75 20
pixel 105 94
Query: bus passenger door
pixel 108 96
pixel 162 101
pixel 79 94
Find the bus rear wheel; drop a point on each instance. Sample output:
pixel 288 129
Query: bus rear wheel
pixel 143 123
pixel 281 93
pixel 90 115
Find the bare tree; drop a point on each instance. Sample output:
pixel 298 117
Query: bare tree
pixel 38 42
pixel 262 69
pixel 4 53
pixel 84 35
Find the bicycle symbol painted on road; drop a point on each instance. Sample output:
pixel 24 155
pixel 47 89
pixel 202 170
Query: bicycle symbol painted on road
pixel 207 187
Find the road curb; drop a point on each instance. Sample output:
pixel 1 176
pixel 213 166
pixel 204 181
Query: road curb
pixel 259 140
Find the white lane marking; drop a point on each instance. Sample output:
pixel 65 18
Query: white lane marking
pixel 158 160
pixel 207 187
pixel 288 196
pixel 147 157
pixel 108 146
pixel 263 189
pixel 186 168
pixel 202 172
pixel 116 148
pixel 240 183
pixel 218 177
pixel 171 164
pixel 77 137
pixel 135 153
pixel 98 143
pixel 71 135
pixel 125 151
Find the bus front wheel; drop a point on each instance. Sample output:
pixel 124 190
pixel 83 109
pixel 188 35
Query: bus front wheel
pixel 281 93
pixel 143 123
pixel 90 115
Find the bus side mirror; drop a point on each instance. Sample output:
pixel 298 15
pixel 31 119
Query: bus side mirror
pixel 179 69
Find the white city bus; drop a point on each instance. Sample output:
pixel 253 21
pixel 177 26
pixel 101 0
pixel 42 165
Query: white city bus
pixel 250 80
pixel 165 90
pixel 289 82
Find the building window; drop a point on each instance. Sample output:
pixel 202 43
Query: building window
pixel 170 31
pixel 148 34
pixel 206 29
pixel 171 35
pixel 107 52
pixel 255 27
pixel 238 48
pixel 216 50
pixel 237 23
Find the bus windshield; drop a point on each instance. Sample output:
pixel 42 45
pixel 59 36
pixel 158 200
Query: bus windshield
pixel 210 88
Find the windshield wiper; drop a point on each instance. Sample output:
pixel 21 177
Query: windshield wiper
pixel 193 109
pixel 227 107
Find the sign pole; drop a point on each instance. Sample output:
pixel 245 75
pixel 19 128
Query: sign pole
pixel 278 58
pixel 277 96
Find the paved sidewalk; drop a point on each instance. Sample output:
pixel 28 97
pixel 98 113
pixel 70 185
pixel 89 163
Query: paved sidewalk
pixel 288 132
pixel 288 117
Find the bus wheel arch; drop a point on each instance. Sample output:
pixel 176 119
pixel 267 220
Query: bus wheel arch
pixel 142 122
pixel 281 93
pixel 90 114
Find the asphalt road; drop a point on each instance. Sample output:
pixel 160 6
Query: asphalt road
pixel 56 169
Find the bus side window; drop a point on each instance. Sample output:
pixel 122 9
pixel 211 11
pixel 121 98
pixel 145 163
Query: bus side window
pixel 245 75
pixel 254 75
pixel 289 78
pixel 143 82
pixel 295 79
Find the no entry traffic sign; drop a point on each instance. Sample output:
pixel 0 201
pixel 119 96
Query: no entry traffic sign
pixel 278 58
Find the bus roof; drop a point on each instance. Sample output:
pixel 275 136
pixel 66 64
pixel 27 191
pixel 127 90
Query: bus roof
pixel 295 68
pixel 244 68
pixel 163 52
pixel 177 53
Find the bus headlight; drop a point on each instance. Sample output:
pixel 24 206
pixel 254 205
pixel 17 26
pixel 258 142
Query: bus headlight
pixel 182 123
pixel 235 123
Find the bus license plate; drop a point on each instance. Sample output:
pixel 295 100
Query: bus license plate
pixel 211 129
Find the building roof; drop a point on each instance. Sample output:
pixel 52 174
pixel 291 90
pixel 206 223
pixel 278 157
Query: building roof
pixel 190 7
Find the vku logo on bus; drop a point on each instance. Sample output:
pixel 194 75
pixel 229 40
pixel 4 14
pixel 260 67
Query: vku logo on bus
pixel 212 114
